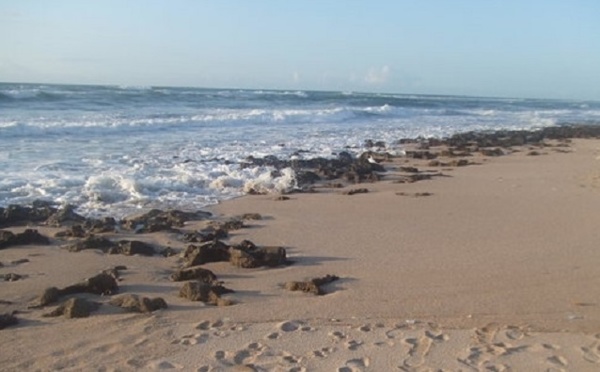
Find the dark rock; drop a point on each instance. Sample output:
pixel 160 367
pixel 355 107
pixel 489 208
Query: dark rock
pixel 101 284
pixel 356 191
pixel 93 242
pixel 409 169
pixel 11 277
pixel 215 251
pixel 282 198
pixel 227 225
pixel 168 252
pixel 132 247
pixel 194 273
pixel 240 258
pixel 209 293
pixel 138 304
pixel 93 226
pixel 20 215
pixel 64 215
pixel 75 231
pixel 50 295
pixel 74 308
pixel 311 286
pixel 251 216
pixel 27 237
pixel 492 152
pixel 248 255
pixel 157 220
pixel 7 320
pixel 459 163
pixel 206 235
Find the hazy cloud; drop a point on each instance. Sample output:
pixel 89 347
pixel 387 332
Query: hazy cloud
pixel 377 75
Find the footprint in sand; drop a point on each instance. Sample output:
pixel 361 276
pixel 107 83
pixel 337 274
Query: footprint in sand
pixel 293 326
pixel 558 361
pixel 323 352
pixel 193 339
pixel 163 364
pixel 219 328
pixel 337 335
pixel 355 365
pixel 353 344
pixel 591 353
pixel 419 348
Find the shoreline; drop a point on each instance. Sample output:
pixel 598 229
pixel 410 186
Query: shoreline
pixel 487 264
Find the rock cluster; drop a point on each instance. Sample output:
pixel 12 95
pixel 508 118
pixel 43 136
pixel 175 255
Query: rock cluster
pixel 29 236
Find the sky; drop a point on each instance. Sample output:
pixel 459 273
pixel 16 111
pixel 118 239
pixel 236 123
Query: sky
pixel 508 48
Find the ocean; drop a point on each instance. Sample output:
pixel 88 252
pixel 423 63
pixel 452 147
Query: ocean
pixel 119 150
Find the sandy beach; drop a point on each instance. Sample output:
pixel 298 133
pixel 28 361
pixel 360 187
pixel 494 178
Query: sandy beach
pixel 487 266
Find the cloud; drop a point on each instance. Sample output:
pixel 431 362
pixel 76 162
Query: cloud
pixel 377 76
pixel 296 77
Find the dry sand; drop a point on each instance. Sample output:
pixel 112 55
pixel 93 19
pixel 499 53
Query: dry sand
pixel 490 267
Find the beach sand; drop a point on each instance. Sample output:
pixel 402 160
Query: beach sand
pixel 491 266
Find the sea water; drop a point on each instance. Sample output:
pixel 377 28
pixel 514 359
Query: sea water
pixel 116 150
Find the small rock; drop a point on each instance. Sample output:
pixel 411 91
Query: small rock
pixel 194 273
pixel 138 304
pixel 7 320
pixel 74 308
pixel 133 247
pixel 311 286
pixel 356 191
pixel 11 277
pixel 209 293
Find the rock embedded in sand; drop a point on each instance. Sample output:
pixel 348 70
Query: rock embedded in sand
pixel 11 277
pixel 7 320
pixel 74 308
pixel 93 242
pixel 214 251
pixel 311 286
pixel 133 247
pixel 101 284
pixel 205 235
pixel 21 215
pixel 64 215
pixel 248 255
pixel 356 191
pixel 194 273
pixel 27 237
pixel 157 220
pixel 209 293
pixel 139 304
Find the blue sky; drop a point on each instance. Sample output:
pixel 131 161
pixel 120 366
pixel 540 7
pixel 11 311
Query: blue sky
pixel 524 48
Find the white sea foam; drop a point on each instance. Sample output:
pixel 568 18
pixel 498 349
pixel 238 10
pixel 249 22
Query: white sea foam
pixel 113 150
